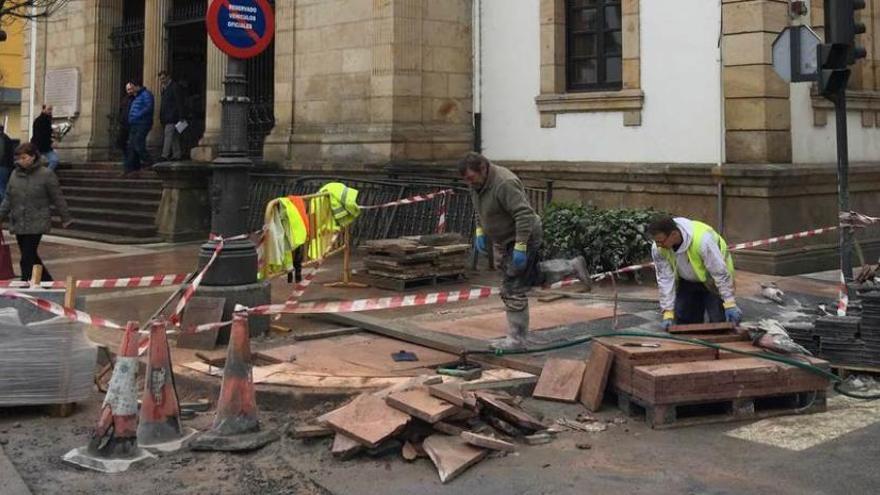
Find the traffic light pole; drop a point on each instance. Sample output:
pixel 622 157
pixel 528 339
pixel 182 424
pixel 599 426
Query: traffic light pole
pixel 846 234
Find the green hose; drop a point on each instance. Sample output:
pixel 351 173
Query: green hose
pixel 762 355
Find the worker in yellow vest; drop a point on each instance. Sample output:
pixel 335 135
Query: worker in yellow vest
pixel 695 272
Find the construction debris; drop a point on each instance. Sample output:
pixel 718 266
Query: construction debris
pixel 771 292
pixel 367 419
pixel 420 404
pixel 487 442
pixel 312 431
pixel 344 447
pixel 539 438
pixel 598 367
pixel 452 455
pixel 560 380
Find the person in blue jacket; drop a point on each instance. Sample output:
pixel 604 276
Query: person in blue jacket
pixel 140 120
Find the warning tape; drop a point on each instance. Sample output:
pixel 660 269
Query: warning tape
pixel 106 283
pixel 60 310
pixel 441 216
pixel 190 291
pixel 408 201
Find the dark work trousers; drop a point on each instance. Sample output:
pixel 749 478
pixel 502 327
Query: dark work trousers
pixel 693 301
pixel 28 244
pixel 517 283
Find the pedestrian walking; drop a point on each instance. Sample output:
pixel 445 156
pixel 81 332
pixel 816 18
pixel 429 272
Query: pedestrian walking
pixel 171 116
pixel 140 120
pixel 7 152
pixel 42 136
pixel 31 191
pixel 122 118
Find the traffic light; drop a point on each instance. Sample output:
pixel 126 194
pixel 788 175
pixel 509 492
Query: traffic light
pixel 840 49
pixel 841 26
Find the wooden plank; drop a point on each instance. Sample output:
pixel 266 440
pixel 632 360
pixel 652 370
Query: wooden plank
pixel 312 431
pixel 367 419
pixel 509 413
pixel 413 334
pixel 420 404
pixel 452 455
pixel 560 380
pixel 487 442
pixel 596 376
pixel 344 447
pixel 702 328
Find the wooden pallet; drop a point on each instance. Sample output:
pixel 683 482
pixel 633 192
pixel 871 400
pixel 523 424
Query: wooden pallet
pixel 722 411
pixel 845 370
pixel 398 284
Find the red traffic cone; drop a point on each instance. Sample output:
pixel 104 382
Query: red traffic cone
pixel 113 445
pixel 159 427
pixel 236 426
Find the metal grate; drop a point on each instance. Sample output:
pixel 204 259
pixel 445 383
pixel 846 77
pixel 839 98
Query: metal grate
pixel 414 219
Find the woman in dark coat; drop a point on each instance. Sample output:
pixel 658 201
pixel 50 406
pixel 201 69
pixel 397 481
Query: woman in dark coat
pixel 32 189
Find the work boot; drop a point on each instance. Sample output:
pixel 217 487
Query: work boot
pixel 557 270
pixel 579 267
pixel 517 332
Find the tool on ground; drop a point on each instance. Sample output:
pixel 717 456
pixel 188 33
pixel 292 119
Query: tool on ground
pixel 637 344
pixel 462 369
pixel 403 356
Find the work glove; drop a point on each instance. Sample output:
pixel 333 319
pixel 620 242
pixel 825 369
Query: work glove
pixel 480 241
pixel 668 319
pixel 732 313
pixel 520 256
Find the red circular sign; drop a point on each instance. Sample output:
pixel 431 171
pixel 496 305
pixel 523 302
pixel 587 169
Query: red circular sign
pixel 241 28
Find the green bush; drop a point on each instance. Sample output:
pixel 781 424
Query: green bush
pixel 608 239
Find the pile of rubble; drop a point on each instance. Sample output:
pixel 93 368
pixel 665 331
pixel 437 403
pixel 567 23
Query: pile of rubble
pixel 454 427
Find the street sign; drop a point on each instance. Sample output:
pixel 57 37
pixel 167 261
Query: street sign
pixel 240 28
pixel 794 54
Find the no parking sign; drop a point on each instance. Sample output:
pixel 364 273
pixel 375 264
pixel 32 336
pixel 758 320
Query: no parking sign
pixel 240 28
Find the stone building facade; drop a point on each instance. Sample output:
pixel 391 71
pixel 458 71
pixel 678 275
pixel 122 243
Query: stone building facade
pixel 676 108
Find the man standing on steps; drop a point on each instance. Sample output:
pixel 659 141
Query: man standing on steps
pixel 695 272
pixel 171 112
pixel 42 136
pixel 140 120
pixel 506 221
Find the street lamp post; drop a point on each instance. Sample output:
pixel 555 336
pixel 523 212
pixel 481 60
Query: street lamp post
pixel 234 274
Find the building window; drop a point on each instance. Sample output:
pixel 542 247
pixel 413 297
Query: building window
pixel 594 48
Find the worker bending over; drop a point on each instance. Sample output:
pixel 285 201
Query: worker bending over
pixel 506 221
pixel 694 272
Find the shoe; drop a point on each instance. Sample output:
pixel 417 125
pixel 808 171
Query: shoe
pixel 517 332
pixel 508 344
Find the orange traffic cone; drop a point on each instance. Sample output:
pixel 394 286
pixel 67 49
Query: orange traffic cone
pixel 113 445
pixel 159 427
pixel 236 426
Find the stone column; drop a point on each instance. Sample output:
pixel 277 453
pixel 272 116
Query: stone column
pixel 216 69
pixel 155 58
pixel 108 14
pixel 757 113
pixel 277 145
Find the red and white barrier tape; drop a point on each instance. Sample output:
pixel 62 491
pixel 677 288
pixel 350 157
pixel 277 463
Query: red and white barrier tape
pixel 60 310
pixel 190 291
pixel 106 283
pixel 408 201
pixel 441 217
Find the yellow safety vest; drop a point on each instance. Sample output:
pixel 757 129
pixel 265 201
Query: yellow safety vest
pixel 343 202
pixel 693 252
pixel 323 227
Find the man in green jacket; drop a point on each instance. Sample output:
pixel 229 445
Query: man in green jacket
pixel 507 221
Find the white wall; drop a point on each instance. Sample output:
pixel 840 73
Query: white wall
pixel 810 144
pixel 681 117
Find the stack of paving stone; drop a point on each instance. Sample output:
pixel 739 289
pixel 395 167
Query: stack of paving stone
pixel 870 328
pixel 839 340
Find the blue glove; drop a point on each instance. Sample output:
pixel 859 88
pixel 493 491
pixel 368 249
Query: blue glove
pixel 480 242
pixel 520 256
pixel 733 314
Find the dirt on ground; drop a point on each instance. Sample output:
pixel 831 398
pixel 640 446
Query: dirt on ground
pixel 35 443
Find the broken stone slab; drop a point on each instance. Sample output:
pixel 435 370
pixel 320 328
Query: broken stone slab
pixel 367 419
pixel 510 413
pixel 487 442
pixel 344 447
pixel 420 404
pixel 312 431
pixel 447 428
pixel 454 394
pixel 452 455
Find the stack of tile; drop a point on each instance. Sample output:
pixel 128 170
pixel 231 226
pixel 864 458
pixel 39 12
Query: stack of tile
pixel 839 339
pixel 870 328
